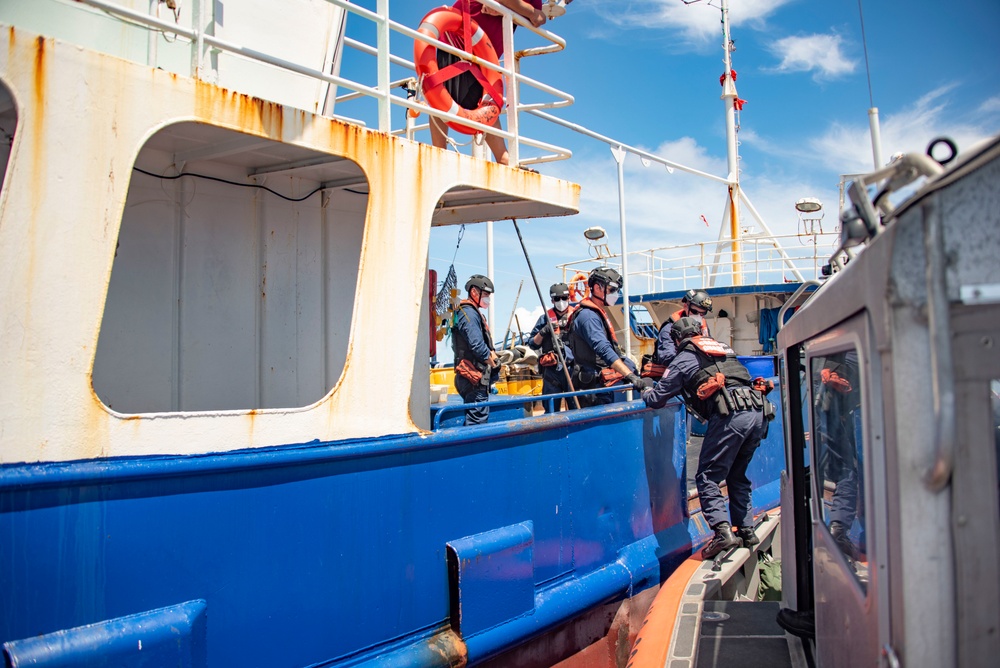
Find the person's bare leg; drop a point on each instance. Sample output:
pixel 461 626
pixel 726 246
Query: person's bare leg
pixel 498 145
pixel 439 132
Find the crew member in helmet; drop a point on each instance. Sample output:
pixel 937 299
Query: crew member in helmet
pixel 717 387
pixel 599 360
pixel 476 362
pixel 540 338
pixel 696 304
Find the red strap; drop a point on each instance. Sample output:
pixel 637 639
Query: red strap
pixel 449 72
pixel 455 69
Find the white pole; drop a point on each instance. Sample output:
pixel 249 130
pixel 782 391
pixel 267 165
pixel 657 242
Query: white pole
pixel 479 152
pixel 876 138
pixel 729 98
pixel 489 268
pixel 619 153
pixel 382 67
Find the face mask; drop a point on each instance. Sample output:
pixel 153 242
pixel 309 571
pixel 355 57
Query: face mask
pixel 560 304
pixel 611 298
pixel 697 316
pixel 484 301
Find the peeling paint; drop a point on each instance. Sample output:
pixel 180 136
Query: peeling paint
pixel 50 376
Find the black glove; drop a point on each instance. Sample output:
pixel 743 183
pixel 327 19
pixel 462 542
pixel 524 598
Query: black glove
pixel 639 383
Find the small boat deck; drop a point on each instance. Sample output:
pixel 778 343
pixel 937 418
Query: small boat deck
pixel 741 633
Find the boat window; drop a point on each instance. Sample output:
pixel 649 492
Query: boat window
pixel 642 322
pixel 838 439
pixel 8 123
pixel 234 279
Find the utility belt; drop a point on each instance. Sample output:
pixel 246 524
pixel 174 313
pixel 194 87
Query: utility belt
pixel 476 373
pixel 728 397
pixel 584 378
pixel 735 399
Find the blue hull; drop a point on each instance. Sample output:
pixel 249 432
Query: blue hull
pixel 338 553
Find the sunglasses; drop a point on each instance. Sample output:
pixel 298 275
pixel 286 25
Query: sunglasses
pixel 697 311
pixel 611 288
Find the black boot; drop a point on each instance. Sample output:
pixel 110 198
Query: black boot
pixel 801 624
pixel 748 537
pixel 843 540
pixel 723 540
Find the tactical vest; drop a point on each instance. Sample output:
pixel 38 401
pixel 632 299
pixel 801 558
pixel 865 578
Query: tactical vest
pixel 560 321
pixel 459 344
pixel 584 354
pixel 716 357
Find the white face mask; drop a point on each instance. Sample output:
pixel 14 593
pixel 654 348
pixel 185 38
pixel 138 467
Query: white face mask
pixel 611 298
pixel 484 301
pixel 699 317
pixel 560 304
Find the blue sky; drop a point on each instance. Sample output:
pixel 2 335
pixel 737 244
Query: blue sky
pixel 647 74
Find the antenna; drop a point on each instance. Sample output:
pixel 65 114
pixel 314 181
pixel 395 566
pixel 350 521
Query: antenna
pixel 873 124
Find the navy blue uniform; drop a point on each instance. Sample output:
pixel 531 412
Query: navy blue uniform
pixel 726 450
pixel 593 351
pixel 471 341
pixel 553 376
pixel 665 348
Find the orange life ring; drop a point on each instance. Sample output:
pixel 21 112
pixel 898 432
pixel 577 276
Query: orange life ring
pixel 578 287
pixel 437 23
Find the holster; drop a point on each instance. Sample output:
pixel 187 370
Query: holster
pixel 469 371
pixel 609 376
pixel 711 386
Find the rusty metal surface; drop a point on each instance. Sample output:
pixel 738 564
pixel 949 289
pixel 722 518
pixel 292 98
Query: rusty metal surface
pixel 83 118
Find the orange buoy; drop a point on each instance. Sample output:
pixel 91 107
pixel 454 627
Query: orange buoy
pixel 578 287
pixel 448 20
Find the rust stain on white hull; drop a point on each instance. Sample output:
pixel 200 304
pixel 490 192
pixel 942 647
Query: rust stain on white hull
pixel 82 119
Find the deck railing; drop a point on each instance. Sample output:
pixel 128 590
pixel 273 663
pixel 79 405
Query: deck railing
pixel 764 260
pixel 388 92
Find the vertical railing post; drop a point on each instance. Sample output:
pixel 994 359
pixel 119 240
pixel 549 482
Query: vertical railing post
pixel 151 38
pixel 200 20
pixel 619 154
pixel 513 64
pixel 384 108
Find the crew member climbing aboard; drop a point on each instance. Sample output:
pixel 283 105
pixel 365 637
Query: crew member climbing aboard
pixel 553 377
pixel 717 387
pixel 477 366
pixel 600 361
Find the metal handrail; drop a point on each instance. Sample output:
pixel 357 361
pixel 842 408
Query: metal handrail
pixel 521 399
pixel 791 300
pixel 938 474
pixel 383 93
pixel 770 258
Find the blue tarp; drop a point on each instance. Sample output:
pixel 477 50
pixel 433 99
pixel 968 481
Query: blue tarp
pixel 769 327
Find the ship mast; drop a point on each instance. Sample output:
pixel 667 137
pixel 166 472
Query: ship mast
pixel 729 99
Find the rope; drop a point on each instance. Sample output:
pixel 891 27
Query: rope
pixel 442 301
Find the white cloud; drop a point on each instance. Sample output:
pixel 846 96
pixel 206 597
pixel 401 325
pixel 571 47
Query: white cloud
pixel 990 105
pixel 697 22
pixel 820 54
pixel 907 131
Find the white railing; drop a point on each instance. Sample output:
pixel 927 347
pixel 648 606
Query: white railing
pixel 764 260
pixel 385 91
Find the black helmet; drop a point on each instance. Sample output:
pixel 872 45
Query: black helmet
pixel 559 291
pixel 699 298
pixel 604 275
pixel 479 281
pixel 685 328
